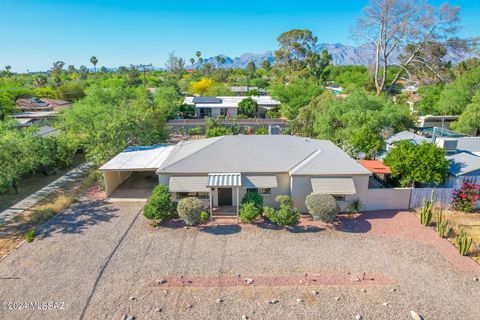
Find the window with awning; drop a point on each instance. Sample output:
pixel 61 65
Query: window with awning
pixel 188 184
pixel 333 185
pixel 259 181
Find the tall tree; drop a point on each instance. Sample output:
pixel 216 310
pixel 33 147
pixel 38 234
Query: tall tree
pixel 295 47
pixel 251 68
pixel 94 61
pixel 266 64
pixel 192 61
pixel 389 25
pixel 175 64
pixel 8 69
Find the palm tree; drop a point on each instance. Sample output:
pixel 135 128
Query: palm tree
pixel 94 61
pixel 198 54
pixel 192 61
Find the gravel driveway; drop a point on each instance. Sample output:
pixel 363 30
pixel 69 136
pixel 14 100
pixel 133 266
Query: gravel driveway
pixel 102 260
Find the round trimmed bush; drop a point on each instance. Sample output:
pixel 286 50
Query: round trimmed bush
pixel 159 205
pixel 249 212
pixel 189 210
pixel 322 207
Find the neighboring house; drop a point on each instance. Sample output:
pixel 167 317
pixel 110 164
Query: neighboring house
pixel 464 167
pixel 436 121
pixel 47 131
pixel 228 106
pixel 405 135
pixel 41 104
pixel 244 90
pixel 380 172
pixel 463 153
pixel 221 170
pixel 30 117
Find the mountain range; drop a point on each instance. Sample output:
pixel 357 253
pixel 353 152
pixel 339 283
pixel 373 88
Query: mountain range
pixel 341 55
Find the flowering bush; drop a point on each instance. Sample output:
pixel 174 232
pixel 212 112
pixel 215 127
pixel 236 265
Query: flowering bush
pixel 464 198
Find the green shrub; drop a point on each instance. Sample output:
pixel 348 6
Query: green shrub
pixel 355 206
pixel 204 216
pixel 30 234
pixel 262 131
pixel 217 132
pixel 195 131
pixel 159 205
pixel 287 215
pixel 189 210
pixel 322 207
pixel 253 197
pixel 249 212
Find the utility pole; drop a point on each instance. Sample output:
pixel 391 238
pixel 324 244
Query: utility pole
pixel 145 68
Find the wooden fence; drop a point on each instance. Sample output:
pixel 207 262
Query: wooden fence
pixel 443 196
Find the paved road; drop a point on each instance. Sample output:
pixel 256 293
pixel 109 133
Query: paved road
pixel 102 261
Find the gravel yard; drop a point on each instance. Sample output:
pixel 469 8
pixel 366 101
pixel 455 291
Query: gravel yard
pixel 104 261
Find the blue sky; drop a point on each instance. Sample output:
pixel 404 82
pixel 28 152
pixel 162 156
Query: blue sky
pixel 34 34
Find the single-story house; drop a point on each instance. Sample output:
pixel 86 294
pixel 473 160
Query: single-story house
pixel 436 121
pixel 228 106
pixel 221 170
pixel 405 135
pixel 464 167
pixel 244 90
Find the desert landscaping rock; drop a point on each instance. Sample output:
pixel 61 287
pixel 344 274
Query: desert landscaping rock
pixel 133 255
pixel 415 315
pixel 358 317
pixel 274 301
pixel 337 298
pixel 249 280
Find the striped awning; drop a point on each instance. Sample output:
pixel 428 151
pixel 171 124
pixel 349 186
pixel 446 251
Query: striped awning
pixel 259 181
pixel 333 185
pixel 188 184
pixel 224 180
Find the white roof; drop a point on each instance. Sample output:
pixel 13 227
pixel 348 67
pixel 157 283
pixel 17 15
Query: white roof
pixel 139 158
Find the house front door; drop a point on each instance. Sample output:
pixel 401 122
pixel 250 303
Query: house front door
pixel 224 196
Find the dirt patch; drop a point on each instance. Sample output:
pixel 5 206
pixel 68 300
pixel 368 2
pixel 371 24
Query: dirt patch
pixel 12 232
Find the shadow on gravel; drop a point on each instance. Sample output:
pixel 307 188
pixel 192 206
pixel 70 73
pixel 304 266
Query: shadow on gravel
pixel 362 223
pixel 77 218
pixel 304 229
pixel 225 229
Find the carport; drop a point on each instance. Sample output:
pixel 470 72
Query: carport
pixel 130 176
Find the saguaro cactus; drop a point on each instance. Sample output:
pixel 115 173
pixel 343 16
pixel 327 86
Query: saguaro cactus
pixel 463 243
pixel 427 209
pixel 441 225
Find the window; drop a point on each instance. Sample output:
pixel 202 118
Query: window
pixel 264 190
pixel 261 190
pixel 199 195
pixel 223 112
pixel 339 197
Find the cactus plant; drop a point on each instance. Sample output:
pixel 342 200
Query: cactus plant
pixel 463 243
pixel 441 225
pixel 427 209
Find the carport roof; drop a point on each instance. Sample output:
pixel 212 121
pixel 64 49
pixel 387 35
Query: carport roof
pixel 139 158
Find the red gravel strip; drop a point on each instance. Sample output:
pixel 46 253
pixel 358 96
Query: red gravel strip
pixel 323 279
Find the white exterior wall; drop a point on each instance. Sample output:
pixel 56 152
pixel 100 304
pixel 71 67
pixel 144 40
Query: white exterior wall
pixel 301 187
pixel 387 199
pixel 113 179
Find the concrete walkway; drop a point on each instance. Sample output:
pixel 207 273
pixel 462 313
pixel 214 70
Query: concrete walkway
pixel 56 186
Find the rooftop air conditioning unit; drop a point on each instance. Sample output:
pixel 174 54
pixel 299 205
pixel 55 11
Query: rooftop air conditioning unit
pixel 450 145
pixel 274 130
